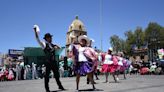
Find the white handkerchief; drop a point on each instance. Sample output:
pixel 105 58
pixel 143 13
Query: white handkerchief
pixel 37 28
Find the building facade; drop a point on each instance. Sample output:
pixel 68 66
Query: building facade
pixel 75 30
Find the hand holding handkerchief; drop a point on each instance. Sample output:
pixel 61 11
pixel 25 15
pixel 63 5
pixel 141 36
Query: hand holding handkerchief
pixel 36 28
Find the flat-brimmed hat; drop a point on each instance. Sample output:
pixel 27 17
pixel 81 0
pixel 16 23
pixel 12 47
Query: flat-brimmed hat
pixel 85 38
pixel 47 35
pixel 110 49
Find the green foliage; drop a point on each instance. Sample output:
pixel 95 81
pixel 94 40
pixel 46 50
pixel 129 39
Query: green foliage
pixel 152 31
pixel 117 43
pixel 153 35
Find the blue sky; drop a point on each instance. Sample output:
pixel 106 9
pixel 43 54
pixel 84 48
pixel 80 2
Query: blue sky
pixel 17 18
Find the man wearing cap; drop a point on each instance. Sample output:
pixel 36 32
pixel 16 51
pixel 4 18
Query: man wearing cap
pixel 51 62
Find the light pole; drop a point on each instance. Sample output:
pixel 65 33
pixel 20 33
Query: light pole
pixel 101 37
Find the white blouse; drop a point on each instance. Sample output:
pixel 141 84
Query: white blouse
pixel 120 61
pixel 108 59
pixel 82 57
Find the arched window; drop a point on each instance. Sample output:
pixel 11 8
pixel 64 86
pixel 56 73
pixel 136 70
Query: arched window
pixel 80 27
pixel 70 27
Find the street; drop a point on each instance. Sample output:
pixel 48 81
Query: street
pixel 133 83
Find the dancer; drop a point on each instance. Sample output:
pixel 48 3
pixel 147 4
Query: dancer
pixel 51 62
pixel 109 65
pixel 122 65
pixel 92 56
pixel 82 65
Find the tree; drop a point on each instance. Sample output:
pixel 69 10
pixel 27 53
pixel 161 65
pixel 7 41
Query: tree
pixel 161 38
pixel 134 39
pixel 114 41
pixel 117 43
pixel 153 35
pixel 123 45
pixel 139 37
pixel 130 40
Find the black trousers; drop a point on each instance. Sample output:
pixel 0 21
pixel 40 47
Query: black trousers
pixel 54 67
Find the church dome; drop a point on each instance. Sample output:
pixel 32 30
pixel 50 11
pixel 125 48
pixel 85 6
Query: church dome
pixel 77 25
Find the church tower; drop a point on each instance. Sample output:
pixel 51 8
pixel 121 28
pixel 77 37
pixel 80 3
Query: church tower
pixel 75 30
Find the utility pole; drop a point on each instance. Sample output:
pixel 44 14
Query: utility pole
pixel 101 39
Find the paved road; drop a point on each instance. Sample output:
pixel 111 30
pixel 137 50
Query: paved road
pixel 134 83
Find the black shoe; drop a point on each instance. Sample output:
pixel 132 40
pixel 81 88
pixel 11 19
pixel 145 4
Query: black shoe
pixel 48 91
pixel 77 90
pixel 94 89
pixel 61 88
pixel 87 82
pixel 97 79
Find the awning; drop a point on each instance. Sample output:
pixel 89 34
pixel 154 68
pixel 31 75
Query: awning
pixel 33 51
pixel 37 51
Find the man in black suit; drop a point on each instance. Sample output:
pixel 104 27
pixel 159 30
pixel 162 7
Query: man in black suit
pixel 51 62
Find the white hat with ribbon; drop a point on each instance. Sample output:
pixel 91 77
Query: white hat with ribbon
pixel 85 38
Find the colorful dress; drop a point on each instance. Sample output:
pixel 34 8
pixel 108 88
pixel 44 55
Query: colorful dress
pixel 10 75
pixel 82 65
pixel 124 64
pixel 109 65
pixel 92 56
pixel 120 63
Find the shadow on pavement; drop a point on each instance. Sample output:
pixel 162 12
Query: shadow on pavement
pixel 122 79
pixel 91 90
pixel 115 82
pixel 59 90
pixel 80 90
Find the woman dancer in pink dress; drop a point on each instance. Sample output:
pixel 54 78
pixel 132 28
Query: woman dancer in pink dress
pixel 82 66
pixel 109 65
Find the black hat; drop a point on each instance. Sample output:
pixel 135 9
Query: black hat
pixel 47 35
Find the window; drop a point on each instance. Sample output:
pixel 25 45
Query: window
pixel 80 27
